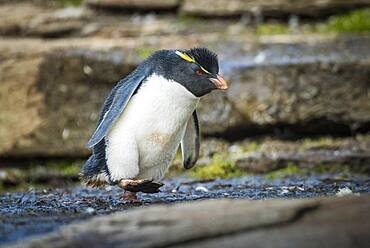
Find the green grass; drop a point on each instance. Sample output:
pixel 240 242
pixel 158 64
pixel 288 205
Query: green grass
pixel 353 22
pixel 65 168
pixel 251 146
pixel 220 167
pixel 272 28
pixel 33 175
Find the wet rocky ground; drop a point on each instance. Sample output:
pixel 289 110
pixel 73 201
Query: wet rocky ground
pixel 36 212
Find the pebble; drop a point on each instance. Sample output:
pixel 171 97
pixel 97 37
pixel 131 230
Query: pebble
pixel 346 191
pixel 201 188
pixel 284 191
pixel 90 210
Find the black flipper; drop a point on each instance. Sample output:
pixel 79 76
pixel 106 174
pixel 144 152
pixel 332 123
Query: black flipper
pixel 95 170
pixel 117 101
pixel 190 143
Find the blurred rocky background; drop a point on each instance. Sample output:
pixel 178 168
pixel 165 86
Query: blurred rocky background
pixel 299 74
pixel 295 122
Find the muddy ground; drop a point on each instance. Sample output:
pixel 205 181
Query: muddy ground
pixel 36 212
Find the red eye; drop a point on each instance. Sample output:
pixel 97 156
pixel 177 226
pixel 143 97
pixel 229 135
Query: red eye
pixel 199 72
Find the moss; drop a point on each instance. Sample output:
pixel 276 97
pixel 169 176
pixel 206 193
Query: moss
pixel 39 175
pixel 220 167
pixel 318 143
pixel 187 19
pixel 145 52
pixel 67 3
pixel 272 28
pixel 251 147
pixel 295 170
pixel 290 170
pixel 338 168
pixel 355 21
pixel 65 168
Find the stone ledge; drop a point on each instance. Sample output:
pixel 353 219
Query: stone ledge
pixel 63 83
pixel 134 4
pixel 223 8
pixel 301 223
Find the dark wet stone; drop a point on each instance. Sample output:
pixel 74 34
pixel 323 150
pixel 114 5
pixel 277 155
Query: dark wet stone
pixel 317 222
pixel 20 212
pixel 262 162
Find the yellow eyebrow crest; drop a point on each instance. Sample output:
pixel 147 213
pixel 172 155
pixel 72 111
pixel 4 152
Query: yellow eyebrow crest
pixel 201 67
pixel 185 57
pixel 190 59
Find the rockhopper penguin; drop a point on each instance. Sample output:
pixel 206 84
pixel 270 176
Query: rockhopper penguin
pixel 146 117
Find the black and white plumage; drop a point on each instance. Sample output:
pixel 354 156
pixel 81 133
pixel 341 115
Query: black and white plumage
pixel 146 117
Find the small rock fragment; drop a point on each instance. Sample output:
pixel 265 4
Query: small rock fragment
pixel 87 70
pixel 284 191
pixel 346 191
pixel 201 188
pixel 89 210
pixel 3 174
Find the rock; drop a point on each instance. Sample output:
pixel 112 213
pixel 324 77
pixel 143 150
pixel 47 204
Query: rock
pixel 61 85
pixel 260 162
pixel 311 155
pixel 283 84
pixel 134 4
pixel 53 86
pixel 59 23
pixel 345 192
pixel 280 8
pixel 24 19
pixel 298 93
pixel 333 232
pixel 14 16
pixel 343 222
pixel 33 20
pixel 20 100
pixel 218 114
pixel 42 3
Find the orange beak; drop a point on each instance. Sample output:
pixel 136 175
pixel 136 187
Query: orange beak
pixel 219 82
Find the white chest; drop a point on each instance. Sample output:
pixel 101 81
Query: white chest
pixel 161 106
pixel 155 120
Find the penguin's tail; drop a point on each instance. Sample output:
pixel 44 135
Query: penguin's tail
pixel 92 173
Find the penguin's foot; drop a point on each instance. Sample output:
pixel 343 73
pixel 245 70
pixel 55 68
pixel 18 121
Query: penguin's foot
pixel 130 197
pixel 145 185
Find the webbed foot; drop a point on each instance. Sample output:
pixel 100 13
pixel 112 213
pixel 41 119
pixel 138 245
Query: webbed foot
pixel 144 185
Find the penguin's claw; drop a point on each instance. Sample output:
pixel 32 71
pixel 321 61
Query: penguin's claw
pixel 130 197
pixel 144 185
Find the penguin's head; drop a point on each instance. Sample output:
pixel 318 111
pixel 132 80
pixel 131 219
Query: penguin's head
pixel 196 69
